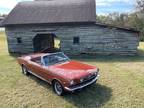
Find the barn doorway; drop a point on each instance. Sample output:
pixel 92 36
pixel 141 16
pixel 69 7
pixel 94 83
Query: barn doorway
pixel 46 43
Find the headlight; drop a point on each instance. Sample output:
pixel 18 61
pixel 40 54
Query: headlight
pixel 81 80
pixel 95 73
pixel 72 82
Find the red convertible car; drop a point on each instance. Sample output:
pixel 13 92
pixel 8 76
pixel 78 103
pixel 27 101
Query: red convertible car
pixel 59 71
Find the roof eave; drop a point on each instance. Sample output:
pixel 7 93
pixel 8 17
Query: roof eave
pixel 58 23
pixel 118 27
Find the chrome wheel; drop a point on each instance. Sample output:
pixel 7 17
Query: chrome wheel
pixel 58 88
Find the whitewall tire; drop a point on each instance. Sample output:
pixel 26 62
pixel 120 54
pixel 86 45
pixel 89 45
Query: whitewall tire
pixel 58 88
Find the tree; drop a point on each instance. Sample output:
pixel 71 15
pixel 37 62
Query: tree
pixel 133 20
pixel 115 18
pixel 140 5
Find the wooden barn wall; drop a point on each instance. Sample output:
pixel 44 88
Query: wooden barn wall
pixel 93 39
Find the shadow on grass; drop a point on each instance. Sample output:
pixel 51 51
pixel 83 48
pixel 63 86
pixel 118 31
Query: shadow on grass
pixel 93 96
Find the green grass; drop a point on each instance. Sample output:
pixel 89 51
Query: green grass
pixel 121 84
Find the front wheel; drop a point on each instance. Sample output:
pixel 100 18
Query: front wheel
pixel 58 89
pixel 24 70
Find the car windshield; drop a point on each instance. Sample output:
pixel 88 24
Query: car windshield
pixel 55 58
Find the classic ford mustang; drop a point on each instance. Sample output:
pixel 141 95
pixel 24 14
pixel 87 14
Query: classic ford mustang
pixel 59 71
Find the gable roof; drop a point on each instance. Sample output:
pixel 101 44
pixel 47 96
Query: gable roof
pixel 52 11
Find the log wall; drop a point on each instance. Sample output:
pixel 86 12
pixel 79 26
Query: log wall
pixel 93 39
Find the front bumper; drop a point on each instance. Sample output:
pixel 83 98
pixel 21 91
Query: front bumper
pixel 82 85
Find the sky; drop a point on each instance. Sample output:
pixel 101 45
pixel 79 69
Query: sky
pixel 102 6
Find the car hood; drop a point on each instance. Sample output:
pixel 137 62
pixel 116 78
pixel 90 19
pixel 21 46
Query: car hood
pixel 72 69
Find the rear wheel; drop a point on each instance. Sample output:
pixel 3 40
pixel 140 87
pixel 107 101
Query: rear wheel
pixel 24 70
pixel 58 89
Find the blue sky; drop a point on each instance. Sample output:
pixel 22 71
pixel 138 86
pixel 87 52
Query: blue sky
pixel 110 6
pixel 103 6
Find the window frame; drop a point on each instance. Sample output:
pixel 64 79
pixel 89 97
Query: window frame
pixel 19 40
pixel 37 60
pixel 43 61
pixel 76 40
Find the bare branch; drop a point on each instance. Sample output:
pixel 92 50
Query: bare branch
pixel 140 5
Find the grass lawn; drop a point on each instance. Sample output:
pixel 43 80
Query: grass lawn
pixel 121 84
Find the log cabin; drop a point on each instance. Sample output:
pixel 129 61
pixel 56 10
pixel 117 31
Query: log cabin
pixel 33 26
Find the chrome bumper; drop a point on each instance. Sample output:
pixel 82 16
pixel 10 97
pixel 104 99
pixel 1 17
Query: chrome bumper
pixel 81 86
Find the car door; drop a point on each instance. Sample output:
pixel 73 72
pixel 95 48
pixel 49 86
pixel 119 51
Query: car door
pixel 39 70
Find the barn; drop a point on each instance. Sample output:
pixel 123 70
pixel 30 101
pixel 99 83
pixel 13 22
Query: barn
pixel 34 26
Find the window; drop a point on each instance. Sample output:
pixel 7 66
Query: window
pixel 37 60
pixel 76 40
pixel 19 40
pixel 55 59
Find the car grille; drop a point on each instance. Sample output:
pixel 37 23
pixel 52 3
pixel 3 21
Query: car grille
pixel 89 78
pixel 85 81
